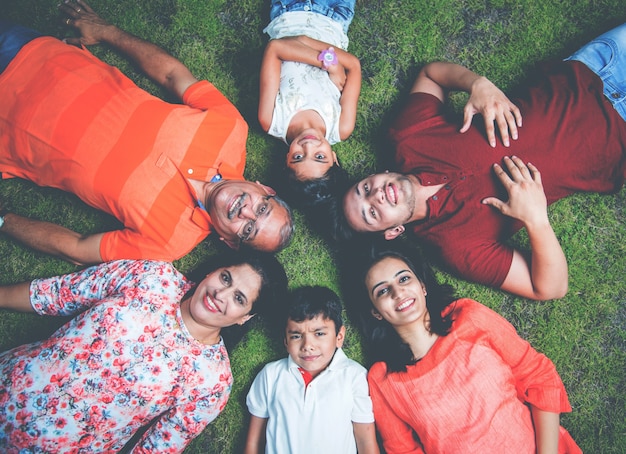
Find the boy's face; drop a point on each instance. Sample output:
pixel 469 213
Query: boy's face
pixel 312 343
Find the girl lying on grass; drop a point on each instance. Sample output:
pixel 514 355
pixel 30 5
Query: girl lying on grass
pixel 309 90
pixel 145 350
pixel 451 375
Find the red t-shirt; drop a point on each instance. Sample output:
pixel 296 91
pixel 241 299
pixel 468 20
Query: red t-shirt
pixel 570 132
pixel 70 121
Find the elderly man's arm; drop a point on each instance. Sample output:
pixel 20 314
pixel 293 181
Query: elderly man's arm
pixel 53 239
pixel 545 275
pixel 154 61
pixel 438 78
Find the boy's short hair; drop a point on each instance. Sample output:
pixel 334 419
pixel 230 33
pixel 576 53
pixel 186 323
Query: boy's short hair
pixel 306 303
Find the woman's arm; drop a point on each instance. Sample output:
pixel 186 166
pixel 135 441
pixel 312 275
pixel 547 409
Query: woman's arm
pixel 546 430
pixel 16 297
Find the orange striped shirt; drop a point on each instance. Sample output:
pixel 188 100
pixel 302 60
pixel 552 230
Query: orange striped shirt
pixel 70 121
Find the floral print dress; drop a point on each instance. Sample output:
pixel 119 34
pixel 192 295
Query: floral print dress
pixel 126 361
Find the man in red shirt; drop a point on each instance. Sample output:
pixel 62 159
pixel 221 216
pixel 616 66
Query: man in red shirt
pixel 452 195
pixel 171 173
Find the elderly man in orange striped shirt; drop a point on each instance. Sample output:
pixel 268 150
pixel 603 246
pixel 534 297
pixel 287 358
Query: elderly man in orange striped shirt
pixel 171 173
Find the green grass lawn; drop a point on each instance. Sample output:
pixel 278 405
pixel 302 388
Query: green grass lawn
pixel 584 333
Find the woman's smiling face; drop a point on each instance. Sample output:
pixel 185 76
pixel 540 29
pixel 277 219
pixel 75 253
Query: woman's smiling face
pixel 225 297
pixel 397 294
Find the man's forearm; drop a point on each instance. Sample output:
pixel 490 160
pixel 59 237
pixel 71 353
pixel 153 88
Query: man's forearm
pixel 451 76
pixel 53 239
pixel 154 61
pixel 548 262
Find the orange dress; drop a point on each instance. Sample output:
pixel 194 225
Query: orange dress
pixel 470 393
pixel 72 122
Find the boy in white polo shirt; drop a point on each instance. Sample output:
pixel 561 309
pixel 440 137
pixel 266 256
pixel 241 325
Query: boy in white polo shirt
pixel 316 400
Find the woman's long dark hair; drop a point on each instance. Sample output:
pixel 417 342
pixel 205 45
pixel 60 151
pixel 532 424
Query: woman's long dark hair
pixel 384 343
pixel 271 294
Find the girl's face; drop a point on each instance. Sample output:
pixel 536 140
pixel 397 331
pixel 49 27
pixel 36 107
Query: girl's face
pixel 224 297
pixel 310 156
pixel 397 295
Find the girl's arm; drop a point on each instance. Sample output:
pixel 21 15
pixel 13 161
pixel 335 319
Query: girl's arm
pixel 255 443
pixel 346 75
pixel 349 95
pixel 546 430
pixel 365 436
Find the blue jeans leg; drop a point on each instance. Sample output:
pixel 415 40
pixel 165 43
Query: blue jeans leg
pixel 341 11
pixel 12 39
pixel 606 56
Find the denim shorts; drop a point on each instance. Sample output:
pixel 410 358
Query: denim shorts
pixel 606 56
pixel 341 11
pixel 12 39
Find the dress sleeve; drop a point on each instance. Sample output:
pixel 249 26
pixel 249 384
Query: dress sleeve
pixel 536 379
pixel 256 400
pixel 397 436
pixel 175 429
pixel 72 293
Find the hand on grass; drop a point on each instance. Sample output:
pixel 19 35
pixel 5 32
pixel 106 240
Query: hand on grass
pixel 79 15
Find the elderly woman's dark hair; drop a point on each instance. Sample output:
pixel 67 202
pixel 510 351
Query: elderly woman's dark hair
pixel 384 343
pixel 272 292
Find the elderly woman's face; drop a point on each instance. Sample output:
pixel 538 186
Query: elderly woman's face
pixel 396 293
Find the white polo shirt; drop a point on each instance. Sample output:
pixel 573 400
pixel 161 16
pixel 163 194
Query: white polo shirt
pixel 317 419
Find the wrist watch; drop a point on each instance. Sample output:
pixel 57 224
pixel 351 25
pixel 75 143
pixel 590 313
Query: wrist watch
pixel 3 213
pixel 328 57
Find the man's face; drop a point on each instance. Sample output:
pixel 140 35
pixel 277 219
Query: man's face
pixel 379 202
pixel 244 212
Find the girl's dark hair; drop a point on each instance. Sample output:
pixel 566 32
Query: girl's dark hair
pixel 311 193
pixel 272 291
pixel 384 343
pixel 306 303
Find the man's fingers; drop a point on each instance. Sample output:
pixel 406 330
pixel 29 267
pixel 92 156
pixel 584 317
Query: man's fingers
pixel 490 129
pixel 503 127
pixel 494 202
pixel 468 114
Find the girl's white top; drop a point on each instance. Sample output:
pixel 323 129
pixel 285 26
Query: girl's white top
pixel 302 86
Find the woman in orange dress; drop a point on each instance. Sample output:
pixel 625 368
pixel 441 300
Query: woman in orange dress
pixel 451 375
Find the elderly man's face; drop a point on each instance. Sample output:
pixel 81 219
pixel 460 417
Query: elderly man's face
pixel 246 213
pixel 379 202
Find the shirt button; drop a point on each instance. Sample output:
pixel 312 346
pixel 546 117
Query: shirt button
pixel 615 95
pixel 189 171
pixel 307 8
pixel 447 186
pixel 463 177
pixel 445 178
pixel 435 197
